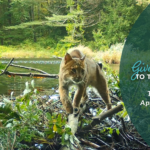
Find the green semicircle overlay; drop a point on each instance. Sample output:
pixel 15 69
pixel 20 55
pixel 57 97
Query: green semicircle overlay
pixel 135 75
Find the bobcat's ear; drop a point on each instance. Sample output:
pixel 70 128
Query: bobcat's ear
pixel 67 58
pixel 82 58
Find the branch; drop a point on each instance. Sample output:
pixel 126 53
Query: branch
pixel 89 143
pixel 3 72
pixel 32 75
pixel 98 119
pixel 34 69
pixel 36 75
pixel 90 25
pixel 118 100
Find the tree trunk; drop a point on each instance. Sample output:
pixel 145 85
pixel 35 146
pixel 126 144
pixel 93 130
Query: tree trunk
pixel 34 36
pixel 9 14
pixel 2 41
pixel 32 19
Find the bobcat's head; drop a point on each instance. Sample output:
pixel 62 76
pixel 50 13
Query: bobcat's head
pixel 74 69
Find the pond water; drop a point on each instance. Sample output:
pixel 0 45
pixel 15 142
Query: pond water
pixel 44 85
pixel 17 84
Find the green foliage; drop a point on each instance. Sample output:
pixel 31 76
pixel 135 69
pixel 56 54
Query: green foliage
pixel 62 47
pixel 6 113
pixel 57 125
pixel 84 122
pixel 24 116
pixel 122 113
pixel 117 18
pixel 113 80
pixel 110 130
pixel 21 117
pixel 99 41
pixel 59 25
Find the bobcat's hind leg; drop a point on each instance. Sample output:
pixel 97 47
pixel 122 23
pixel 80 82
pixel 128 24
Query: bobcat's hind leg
pixel 105 96
pixel 103 90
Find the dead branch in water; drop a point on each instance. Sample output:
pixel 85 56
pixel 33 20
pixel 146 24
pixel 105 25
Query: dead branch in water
pixel 3 72
pixel 42 73
pixel 36 75
pixel 30 68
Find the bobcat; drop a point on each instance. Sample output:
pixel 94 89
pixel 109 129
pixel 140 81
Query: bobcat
pixel 76 69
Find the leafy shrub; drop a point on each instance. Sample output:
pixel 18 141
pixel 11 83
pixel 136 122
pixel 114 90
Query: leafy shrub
pixel 62 47
pixel 25 122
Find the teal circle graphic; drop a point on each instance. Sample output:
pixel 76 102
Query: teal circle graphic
pixel 135 75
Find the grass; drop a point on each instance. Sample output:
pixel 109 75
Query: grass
pixel 111 58
pixel 24 52
pixel 112 55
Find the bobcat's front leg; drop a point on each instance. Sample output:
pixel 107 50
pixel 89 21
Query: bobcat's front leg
pixel 63 91
pixel 77 98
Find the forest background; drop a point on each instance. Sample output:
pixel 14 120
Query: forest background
pixel 43 28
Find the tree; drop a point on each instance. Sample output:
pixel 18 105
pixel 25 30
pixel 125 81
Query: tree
pixel 102 22
pixel 117 19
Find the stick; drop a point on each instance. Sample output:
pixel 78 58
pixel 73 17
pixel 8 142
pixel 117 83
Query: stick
pixel 3 72
pixel 31 75
pixel 89 143
pixel 34 69
pixel 43 75
pixel 98 119
pixel 109 113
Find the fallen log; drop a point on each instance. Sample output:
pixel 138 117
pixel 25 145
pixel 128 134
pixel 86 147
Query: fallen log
pixel 98 119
